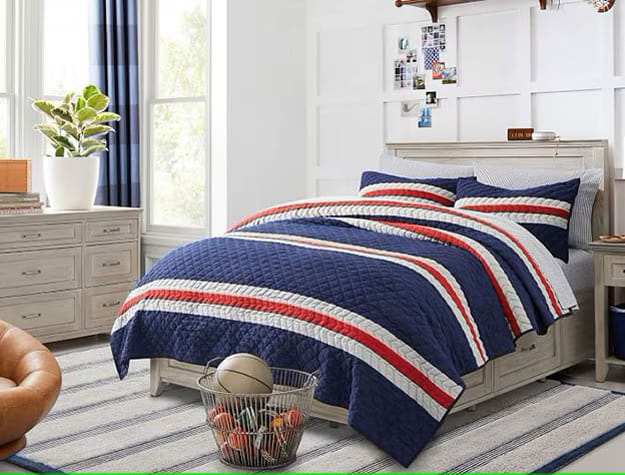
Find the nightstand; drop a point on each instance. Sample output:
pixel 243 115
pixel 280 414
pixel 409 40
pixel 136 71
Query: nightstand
pixel 609 263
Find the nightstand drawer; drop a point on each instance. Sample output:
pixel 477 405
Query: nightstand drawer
pixel 118 230
pixel 43 315
pixel 103 303
pixel 111 264
pixel 39 271
pixel 614 270
pixel 40 235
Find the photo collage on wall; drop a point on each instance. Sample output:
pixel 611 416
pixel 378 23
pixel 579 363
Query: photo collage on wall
pixel 421 61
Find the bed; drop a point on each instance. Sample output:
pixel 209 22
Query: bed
pixel 565 343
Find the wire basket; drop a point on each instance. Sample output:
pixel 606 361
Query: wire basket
pixel 259 431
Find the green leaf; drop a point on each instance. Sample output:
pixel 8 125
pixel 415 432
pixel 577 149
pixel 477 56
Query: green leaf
pixel 96 148
pixel 59 152
pixel 64 142
pixel 68 98
pixel 71 129
pixel 90 91
pixel 97 130
pixel 80 103
pixel 99 102
pixel 92 143
pixel 46 130
pixel 107 117
pixel 45 107
pixel 86 114
pixel 62 114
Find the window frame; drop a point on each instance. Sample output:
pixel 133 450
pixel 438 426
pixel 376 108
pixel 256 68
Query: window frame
pixel 149 87
pixel 9 94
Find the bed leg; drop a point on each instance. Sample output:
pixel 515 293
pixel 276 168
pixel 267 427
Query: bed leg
pixel 334 425
pixel 542 380
pixel 156 383
pixel 472 408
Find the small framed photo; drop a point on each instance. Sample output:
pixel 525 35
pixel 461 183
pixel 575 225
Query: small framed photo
pixel 450 75
pixel 431 99
pixel 437 69
pixel 418 81
pixel 425 118
pixel 403 43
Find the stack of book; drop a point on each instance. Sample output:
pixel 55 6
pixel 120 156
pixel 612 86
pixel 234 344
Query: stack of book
pixel 20 203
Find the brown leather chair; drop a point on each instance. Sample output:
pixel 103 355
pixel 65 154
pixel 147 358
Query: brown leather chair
pixel 30 381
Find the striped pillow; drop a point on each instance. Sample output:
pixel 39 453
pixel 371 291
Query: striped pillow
pixel 545 211
pixel 438 191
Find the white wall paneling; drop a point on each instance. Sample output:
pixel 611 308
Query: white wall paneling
pixel 560 70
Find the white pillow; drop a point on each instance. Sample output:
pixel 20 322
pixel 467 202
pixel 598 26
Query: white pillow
pixel 580 230
pixel 415 169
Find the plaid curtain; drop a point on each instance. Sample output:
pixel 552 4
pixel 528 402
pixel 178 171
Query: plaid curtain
pixel 114 53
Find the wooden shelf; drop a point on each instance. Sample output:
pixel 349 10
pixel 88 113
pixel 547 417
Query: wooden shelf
pixel 431 5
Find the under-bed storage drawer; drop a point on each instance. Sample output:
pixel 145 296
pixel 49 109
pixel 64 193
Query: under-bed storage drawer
pixel 479 384
pixel 534 355
pixel 43 315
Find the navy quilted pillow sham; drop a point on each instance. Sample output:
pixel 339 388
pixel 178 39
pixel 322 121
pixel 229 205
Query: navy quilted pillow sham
pixel 545 210
pixel 438 191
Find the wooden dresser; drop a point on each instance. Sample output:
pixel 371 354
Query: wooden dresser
pixel 64 274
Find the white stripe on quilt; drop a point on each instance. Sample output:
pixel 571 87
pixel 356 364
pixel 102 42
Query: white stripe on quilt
pixel 404 260
pixel 515 200
pixel 302 327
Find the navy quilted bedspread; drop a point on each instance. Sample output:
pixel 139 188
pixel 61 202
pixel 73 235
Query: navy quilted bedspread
pixel 393 303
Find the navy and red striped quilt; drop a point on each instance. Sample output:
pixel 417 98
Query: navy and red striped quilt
pixel 392 301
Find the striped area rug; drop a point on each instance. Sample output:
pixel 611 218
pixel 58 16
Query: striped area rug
pixel 103 425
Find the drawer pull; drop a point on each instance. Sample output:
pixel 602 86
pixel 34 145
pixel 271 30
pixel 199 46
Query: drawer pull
pixel 31 273
pixel 32 316
pixel 32 236
pixel 111 230
pixel 527 349
pixel 111 304
pixel 112 264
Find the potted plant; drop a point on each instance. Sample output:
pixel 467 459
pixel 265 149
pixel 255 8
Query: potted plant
pixel 77 129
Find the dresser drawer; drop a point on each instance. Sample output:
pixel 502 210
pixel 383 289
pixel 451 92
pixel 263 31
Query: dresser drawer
pixel 534 355
pixel 40 235
pixel 103 303
pixel 614 269
pixel 118 230
pixel 43 315
pixel 39 271
pixel 111 264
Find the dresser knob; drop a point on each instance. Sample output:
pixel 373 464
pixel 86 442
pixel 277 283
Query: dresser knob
pixel 111 304
pixel 111 230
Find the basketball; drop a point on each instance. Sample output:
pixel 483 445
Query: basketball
pixel 244 373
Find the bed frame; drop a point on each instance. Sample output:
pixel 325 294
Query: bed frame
pixel 568 342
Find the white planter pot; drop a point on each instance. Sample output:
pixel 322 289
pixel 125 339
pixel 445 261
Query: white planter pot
pixel 71 183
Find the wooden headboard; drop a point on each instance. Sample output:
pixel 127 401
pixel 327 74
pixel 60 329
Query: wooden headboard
pixel 571 155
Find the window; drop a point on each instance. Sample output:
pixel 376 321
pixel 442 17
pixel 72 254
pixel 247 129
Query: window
pixel 176 107
pixel 66 22
pixel 5 34
pixel 44 52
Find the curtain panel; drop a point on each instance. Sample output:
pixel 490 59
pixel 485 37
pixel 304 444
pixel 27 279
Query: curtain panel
pixel 114 53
